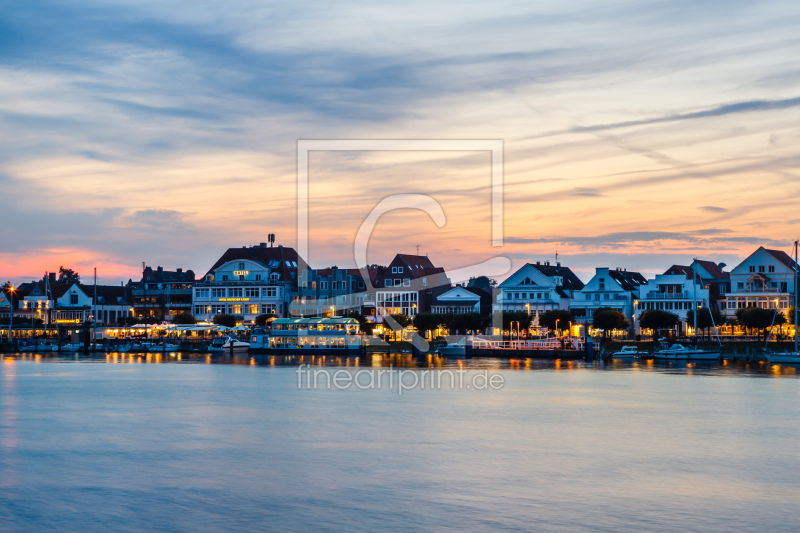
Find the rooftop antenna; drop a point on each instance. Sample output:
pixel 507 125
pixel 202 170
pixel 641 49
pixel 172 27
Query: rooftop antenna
pixel 418 249
pixel 556 256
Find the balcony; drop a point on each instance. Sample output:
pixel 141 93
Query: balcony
pixel 757 290
pixel 655 295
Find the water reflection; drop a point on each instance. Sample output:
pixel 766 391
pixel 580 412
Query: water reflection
pixel 428 361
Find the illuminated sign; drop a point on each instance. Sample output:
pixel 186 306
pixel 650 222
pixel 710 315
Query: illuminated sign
pixel 68 321
pixel 241 272
pixel 234 299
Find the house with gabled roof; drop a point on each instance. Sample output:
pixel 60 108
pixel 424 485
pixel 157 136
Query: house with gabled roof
pixel 335 290
pixel 408 285
pixel 462 300
pixel 536 288
pixel 612 288
pixel 714 278
pixel 764 279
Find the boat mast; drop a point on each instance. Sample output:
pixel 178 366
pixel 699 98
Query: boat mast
pixel 795 296
pixel 694 304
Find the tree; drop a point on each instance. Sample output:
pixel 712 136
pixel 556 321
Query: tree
pixel 225 320
pixel 514 320
pixel 705 318
pixel 482 282
pixel 425 322
pixel 607 319
pixel 757 318
pixel 68 276
pixel 548 319
pixel 184 318
pixel 363 322
pixel 790 315
pixel 5 286
pixel 657 319
pixel 261 320
pixel 464 322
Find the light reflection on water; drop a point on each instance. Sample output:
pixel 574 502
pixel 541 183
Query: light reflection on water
pixel 567 446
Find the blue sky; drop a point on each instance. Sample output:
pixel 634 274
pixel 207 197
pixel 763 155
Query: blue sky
pixel 637 134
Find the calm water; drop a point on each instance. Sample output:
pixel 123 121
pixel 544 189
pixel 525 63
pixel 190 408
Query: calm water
pixel 90 446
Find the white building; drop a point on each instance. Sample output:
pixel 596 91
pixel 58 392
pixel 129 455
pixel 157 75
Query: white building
pixel 674 293
pixel 615 289
pixel 765 279
pixel 78 304
pixel 458 300
pixel 408 286
pixel 247 282
pixel 536 288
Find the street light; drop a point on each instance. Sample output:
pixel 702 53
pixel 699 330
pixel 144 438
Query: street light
pixel 557 327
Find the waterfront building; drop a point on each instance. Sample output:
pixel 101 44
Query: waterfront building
pixel 674 292
pixel 536 288
pixel 765 279
pixel 162 294
pixel 38 298
pixel 8 302
pixel 461 300
pixel 331 291
pixel 408 286
pixel 81 303
pixel 611 288
pixel 247 282
pixel 714 279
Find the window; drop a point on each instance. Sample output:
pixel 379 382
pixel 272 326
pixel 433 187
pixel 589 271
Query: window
pixel 602 282
pixel 538 296
pixel 225 277
pixel 772 268
pixel 606 296
pixel 199 310
pixel 201 293
pixel 387 283
pixel 722 289
pixel 424 282
pixel 323 285
pixel 251 292
pixel 235 309
pixel 752 269
pixel 217 309
pixel 269 292
pixel 406 282
pixel 761 268
pixel 740 285
pixel 252 309
pixel 258 277
pixel 268 309
pixel 73 299
pixel 218 293
pixel 241 266
pixel 597 297
pixel 399 270
pixel 396 282
pixel 588 296
pixel 235 292
pixel 784 286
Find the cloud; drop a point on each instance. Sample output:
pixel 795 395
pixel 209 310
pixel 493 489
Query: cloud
pixel 714 209
pixel 159 218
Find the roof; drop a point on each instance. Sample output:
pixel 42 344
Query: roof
pixel 167 275
pixel 108 294
pixel 781 256
pixel 628 280
pixel 39 288
pixel 714 269
pixel 262 254
pixel 569 280
pixel 418 266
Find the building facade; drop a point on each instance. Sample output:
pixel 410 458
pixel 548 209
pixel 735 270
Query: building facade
pixel 162 293
pixel 765 279
pixel 536 288
pixel 79 304
pixel 408 286
pixel 612 288
pixel 330 291
pixel 247 282
pixel 674 293
pixel 461 300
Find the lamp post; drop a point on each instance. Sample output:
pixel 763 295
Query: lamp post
pixel 208 314
pixel 11 290
pixel 557 335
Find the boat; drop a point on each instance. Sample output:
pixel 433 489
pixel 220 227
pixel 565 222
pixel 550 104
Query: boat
pixel 628 352
pixel 679 352
pixel 457 349
pixel 295 336
pixel 791 358
pixel 226 345
pixel 35 346
pixel 70 347
pixel 165 347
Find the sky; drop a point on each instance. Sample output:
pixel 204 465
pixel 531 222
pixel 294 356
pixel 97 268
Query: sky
pixel 636 134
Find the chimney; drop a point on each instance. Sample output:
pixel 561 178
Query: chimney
pixel 180 270
pixel 160 269
pixel 52 277
pixel 262 245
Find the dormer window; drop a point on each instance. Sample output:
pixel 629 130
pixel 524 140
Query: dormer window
pixel 241 266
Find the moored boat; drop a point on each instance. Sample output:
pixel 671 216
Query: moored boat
pixel 628 352
pixel 679 352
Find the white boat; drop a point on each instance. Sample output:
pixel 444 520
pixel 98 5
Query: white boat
pixel 165 347
pixel 679 352
pixel 628 352
pixel 34 346
pixel 788 358
pixel 457 349
pixel 70 347
pixel 226 345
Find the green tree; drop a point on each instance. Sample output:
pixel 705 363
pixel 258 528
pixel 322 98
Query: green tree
pixel 464 322
pixel 607 319
pixel 261 320
pixel 790 315
pixel 548 319
pixel 757 318
pixel 426 322
pixel 514 319
pixel 225 320
pixel 656 319
pixel 68 276
pixel 184 318
pixel 705 318
pixel 482 282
